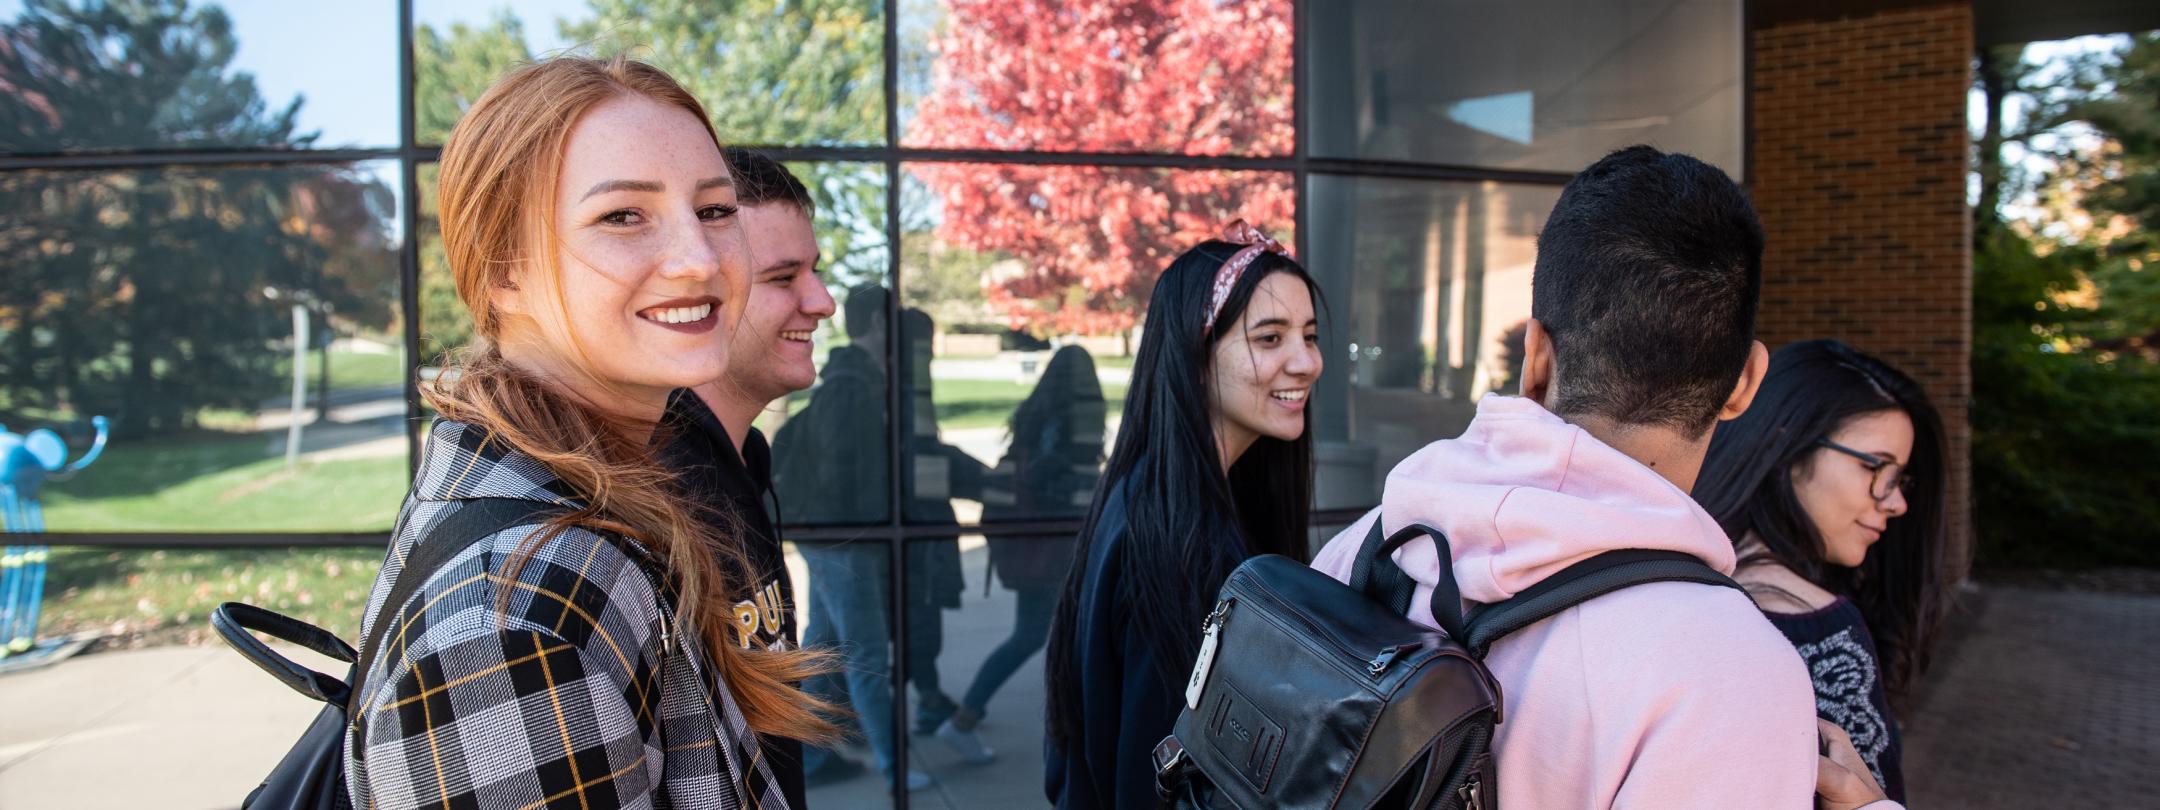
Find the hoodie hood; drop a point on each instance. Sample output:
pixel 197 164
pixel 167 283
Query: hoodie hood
pixel 1523 494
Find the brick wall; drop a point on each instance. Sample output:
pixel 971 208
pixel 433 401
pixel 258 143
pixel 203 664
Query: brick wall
pixel 1858 165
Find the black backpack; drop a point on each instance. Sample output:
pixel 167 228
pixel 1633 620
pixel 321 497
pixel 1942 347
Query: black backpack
pixel 312 774
pixel 1311 693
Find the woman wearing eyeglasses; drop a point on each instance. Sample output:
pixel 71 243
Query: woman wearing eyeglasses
pixel 1831 488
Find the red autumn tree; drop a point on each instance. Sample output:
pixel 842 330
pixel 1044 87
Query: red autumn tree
pixel 1187 77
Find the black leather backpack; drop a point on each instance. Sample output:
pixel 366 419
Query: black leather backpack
pixel 312 774
pixel 1309 693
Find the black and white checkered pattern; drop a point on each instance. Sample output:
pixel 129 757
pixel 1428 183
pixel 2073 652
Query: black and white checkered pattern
pixel 585 693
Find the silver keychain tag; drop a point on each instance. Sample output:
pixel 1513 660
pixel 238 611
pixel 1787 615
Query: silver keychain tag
pixel 1211 636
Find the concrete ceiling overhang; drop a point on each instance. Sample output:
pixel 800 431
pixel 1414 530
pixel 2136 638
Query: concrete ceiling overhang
pixel 1995 22
pixel 2008 22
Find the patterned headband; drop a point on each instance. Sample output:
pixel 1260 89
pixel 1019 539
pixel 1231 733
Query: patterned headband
pixel 1241 233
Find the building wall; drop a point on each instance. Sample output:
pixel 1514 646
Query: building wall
pixel 1858 165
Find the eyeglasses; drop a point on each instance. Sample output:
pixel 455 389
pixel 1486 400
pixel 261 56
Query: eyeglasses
pixel 1889 475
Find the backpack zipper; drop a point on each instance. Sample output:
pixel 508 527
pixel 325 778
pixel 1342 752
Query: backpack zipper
pixel 1315 631
pixel 1380 663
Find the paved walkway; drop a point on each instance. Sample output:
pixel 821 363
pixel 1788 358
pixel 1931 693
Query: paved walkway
pixel 187 728
pixel 2050 699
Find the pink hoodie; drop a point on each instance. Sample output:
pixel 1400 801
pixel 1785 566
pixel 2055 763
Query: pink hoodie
pixel 1666 695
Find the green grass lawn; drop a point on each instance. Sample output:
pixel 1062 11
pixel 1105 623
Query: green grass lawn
pixel 356 370
pixel 350 370
pixel 212 483
pixel 966 404
pixel 207 482
pixel 963 404
pixel 162 596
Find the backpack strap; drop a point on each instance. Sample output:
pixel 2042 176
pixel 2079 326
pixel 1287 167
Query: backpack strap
pixel 474 520
pixel 1376 575
pixel 1581 582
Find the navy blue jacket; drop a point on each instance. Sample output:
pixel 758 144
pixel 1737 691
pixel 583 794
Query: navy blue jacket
pixel 1125 705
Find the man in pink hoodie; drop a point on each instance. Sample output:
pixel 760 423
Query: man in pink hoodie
pixel 1665 695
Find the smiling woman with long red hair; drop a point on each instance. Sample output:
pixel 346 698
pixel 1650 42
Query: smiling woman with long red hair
pixel 583 658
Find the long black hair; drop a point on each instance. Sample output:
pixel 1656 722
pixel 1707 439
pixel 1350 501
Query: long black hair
pixel 1187 524
pixel 1068 387
pixel 1814 388
pixel 1067 408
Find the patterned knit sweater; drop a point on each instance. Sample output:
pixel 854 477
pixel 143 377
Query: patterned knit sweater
pixel 1848 679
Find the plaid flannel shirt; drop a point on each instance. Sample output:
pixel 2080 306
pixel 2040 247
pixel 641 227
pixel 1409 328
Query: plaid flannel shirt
pixel 585 693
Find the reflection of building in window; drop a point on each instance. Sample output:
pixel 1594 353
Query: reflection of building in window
pixel 1430 277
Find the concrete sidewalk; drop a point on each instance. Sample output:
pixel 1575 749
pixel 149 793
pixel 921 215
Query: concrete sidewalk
pixel 2048 700
pixel 196 728
pixel 185 728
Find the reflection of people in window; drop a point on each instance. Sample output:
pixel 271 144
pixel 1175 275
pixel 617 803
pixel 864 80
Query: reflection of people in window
pixel 938 473
pixel 1049 471
pixel 828 467
pixel 827 460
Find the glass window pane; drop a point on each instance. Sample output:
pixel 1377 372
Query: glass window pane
pixel 445 326
pixel 1429 283
pixel 829 443
pixel 211 318
pixel 799 72
pixel 1549 85
pixel 239 74
pixel 165 596
pixel 1119 76
pixel 843 605
pixel 1023 301
pixel 976 663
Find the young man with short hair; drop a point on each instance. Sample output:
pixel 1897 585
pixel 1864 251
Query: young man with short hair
pixel 724 462
pixel 1641 338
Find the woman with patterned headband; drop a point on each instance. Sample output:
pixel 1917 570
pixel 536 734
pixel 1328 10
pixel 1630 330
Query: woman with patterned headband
pixel 1212 465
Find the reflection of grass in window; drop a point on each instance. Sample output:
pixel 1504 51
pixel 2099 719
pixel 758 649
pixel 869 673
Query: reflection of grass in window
pixel 352 370
pixel 1113 361
pixel 166 595
pixel 212 483
pixel 967 404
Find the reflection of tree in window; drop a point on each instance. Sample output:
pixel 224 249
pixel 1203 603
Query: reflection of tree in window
pixel 143 292
pixel 131 76
pixel 1183 77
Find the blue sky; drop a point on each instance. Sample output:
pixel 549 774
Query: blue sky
pixel 341 57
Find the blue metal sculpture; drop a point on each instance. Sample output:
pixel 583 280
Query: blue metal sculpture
pixel 27 463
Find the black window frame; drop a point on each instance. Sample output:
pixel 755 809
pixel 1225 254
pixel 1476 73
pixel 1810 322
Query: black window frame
pixel 896 530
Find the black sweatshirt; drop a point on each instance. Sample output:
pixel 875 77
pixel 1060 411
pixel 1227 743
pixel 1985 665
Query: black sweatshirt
pixel 712 474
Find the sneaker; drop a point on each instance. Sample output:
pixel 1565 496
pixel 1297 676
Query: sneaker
pixel 833 769
pixel 931 713
pixel 918 781
pixel 965 743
